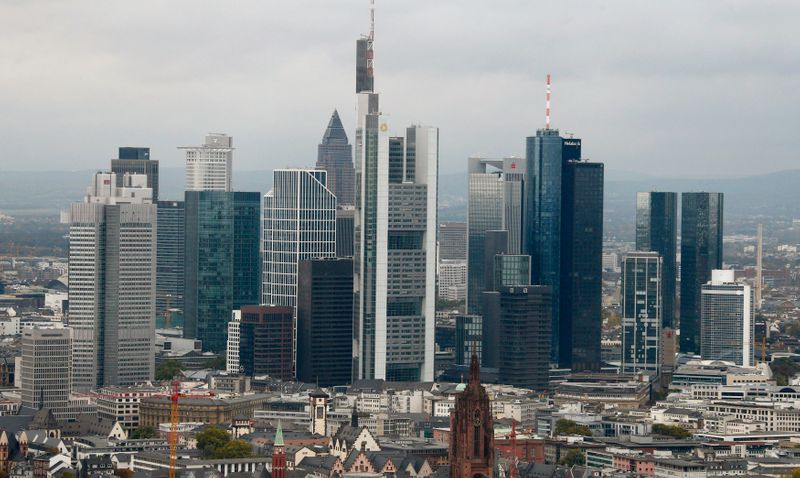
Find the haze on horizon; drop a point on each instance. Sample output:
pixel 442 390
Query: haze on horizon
pixel 684 88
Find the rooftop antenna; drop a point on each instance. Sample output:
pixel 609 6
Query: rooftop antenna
pixel 370 51
pixel 547 108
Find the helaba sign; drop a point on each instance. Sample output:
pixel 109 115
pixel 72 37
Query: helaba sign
pixel 572 142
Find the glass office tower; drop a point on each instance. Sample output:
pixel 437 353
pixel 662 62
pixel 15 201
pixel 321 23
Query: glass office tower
pixel 222 266
pixel 701 252
pixel 657 231
pixel 641 311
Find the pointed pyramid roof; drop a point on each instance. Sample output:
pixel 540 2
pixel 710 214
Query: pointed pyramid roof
pixel 278 435
pixel 334 133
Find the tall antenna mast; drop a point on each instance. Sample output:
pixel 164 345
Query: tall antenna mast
pixel 547 108
pixel 370 40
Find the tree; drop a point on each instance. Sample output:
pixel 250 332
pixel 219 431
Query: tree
pixel 569 427
pixel 144 432
pixel 783 369
pixel 573 457
pixel 673 431
pixel 234 449
pixel 168 369
pixel 211 439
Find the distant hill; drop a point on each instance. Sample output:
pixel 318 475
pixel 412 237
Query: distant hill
pixel 771 195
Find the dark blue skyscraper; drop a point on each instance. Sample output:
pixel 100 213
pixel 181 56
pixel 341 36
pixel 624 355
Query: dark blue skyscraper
pixel 170 257
pixel 335 155
pixel 701 252
pixel 563 236
pixel 222 266
pixel 657 231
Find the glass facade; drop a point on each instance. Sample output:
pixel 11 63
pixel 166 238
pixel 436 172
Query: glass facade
pixel 170 256
pixel 136 161
pixel 545 165
pixel 701 252
pixel 299 224
pixel 641 311
pixel 511 270
pixel 222 265
pixel 657 231
pixel 266 341
pixel 325 321
pixel 582 266
pixel 525 336
pixel 469 338
pixel 496 188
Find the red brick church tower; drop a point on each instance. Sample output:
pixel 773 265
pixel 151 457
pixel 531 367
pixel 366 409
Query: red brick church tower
pixel 278 455
pixel 472 430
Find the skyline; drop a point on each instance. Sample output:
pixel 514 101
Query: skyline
pixel 158 77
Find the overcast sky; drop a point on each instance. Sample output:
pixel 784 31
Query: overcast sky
pixel 676 88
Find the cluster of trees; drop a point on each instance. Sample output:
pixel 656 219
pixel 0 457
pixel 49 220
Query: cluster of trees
pixel 572 458
pixel 673 431
pixel 143 432
pixel 168 369
pixel 215 443
pixel 569 427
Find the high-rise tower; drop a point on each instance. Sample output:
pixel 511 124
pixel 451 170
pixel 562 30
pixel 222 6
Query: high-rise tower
pixel 299 224
pixel 641 311
pixel 135 160
pixel 727 326
pixel 701 252
pixel 495 203
pixel 209 167
pixel 563 235
pixel 657 231
pixel 395 239
pixel 112 269
pixel 335 155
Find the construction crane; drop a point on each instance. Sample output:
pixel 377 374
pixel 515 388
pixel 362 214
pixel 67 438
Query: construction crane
pixel 174 418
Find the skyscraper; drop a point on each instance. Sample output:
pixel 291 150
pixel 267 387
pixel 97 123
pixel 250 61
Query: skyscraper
pixel 452 241
pixel 525 336
pixel 563 236
pixel 170 256
pixel 112 269
pixel 395 246
pixel 345 232
pixel 222 264
pixel 657 231
pixel 469 338
pixel 325 321
pixel 335 155
pixel 641 311
pixel 136 161
pixel 299 224
pixel 46 367
pixel 701 252
pixel 266 341
pixel 495 203
pixel 581 266
pixel 727 327
pixel 209 167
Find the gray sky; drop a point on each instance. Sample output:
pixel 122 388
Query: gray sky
pixel 678 88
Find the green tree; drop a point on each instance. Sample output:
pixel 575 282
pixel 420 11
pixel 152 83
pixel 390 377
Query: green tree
pixel 144 432
pixel 234 449
pixel 212 439
pixel 569 427
pixel 673 431
pixel 573 457
pixel 168 369
pixel 783 369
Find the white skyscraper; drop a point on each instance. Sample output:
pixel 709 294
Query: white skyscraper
pixel 299 224
pixel 395 239
pixel 232 357
pixel 112 270
pixel 208 167
pixel 726 319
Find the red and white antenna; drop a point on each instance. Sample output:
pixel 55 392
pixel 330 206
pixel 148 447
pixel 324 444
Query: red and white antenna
pixel 372 19
pixel 547 107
